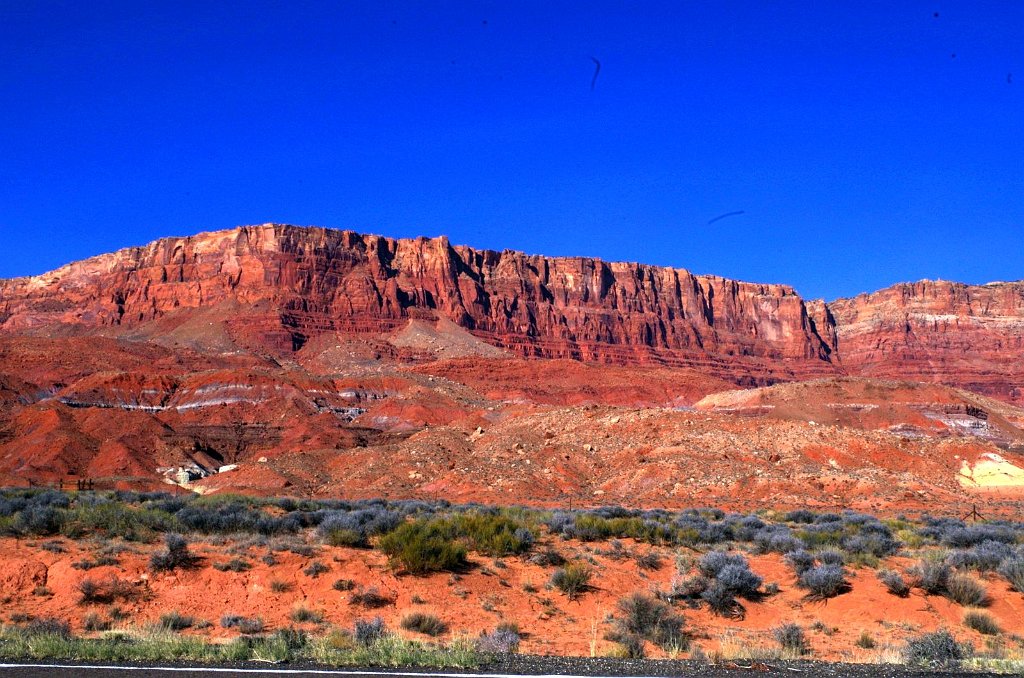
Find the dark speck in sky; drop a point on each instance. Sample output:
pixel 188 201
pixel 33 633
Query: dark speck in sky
pixel 726 215
pixel 597 71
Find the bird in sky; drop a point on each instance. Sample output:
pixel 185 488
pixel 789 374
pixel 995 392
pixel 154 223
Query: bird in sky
pixel 726 215
pixel 597 70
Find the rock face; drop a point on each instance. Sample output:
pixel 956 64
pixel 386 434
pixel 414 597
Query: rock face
pixel 287 284
pixel 275 288
pixel 966 335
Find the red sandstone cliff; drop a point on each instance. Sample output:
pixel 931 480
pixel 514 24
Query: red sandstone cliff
pixel 967 335
pixel 289 284
pixel 278 287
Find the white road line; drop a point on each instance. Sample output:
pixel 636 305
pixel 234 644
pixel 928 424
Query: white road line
pixel 283 671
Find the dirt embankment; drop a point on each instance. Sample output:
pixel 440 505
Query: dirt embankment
pixel 36 582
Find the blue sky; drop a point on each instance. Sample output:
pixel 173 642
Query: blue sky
pixel 860 149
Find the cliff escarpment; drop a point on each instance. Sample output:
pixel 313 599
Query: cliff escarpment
pixel 276 287
pixel 289 284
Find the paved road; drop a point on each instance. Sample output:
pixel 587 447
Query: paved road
pixel 255 671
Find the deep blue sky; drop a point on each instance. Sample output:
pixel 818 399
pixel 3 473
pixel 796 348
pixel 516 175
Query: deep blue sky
pixel 861 150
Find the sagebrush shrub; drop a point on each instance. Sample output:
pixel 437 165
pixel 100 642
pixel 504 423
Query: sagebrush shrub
pixel 572 580
pixel 985 557
pixel 649 561
pixel 368 632
pixel 499 641
pixel 245 625
pixel 824 581
pixel 800 561
pixel 894 582
pixel 304 615
pixel 369 597
pixel 233 565
pixel 48 626
pixel 427 624
pixel 107 591
pixel 688 588
pixel 175 555
pixel 1013 570
pixel 982 622
pixel 791 637
pixel 315 569
pixel 931 575
pixel 712 563
pixel 939 648
pixel 649 618
pixel 175 621
pixel 966 591
pixel 722 602
pixel 831 557
pixel 95 622
pixel 739 580
pixel 548 557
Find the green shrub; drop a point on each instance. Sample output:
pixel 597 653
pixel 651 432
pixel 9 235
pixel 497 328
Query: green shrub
pixel 344 537
pixel 117 519
pixel 48 626
pixel 492 535
pixel 866 641
pixel 589 527
pixel 423 546
pixel 292 638
pixel 631 644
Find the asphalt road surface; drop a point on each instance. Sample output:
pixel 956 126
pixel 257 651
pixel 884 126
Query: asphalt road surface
pixel 802 670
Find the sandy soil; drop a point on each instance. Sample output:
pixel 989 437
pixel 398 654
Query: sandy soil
pixel 41 583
